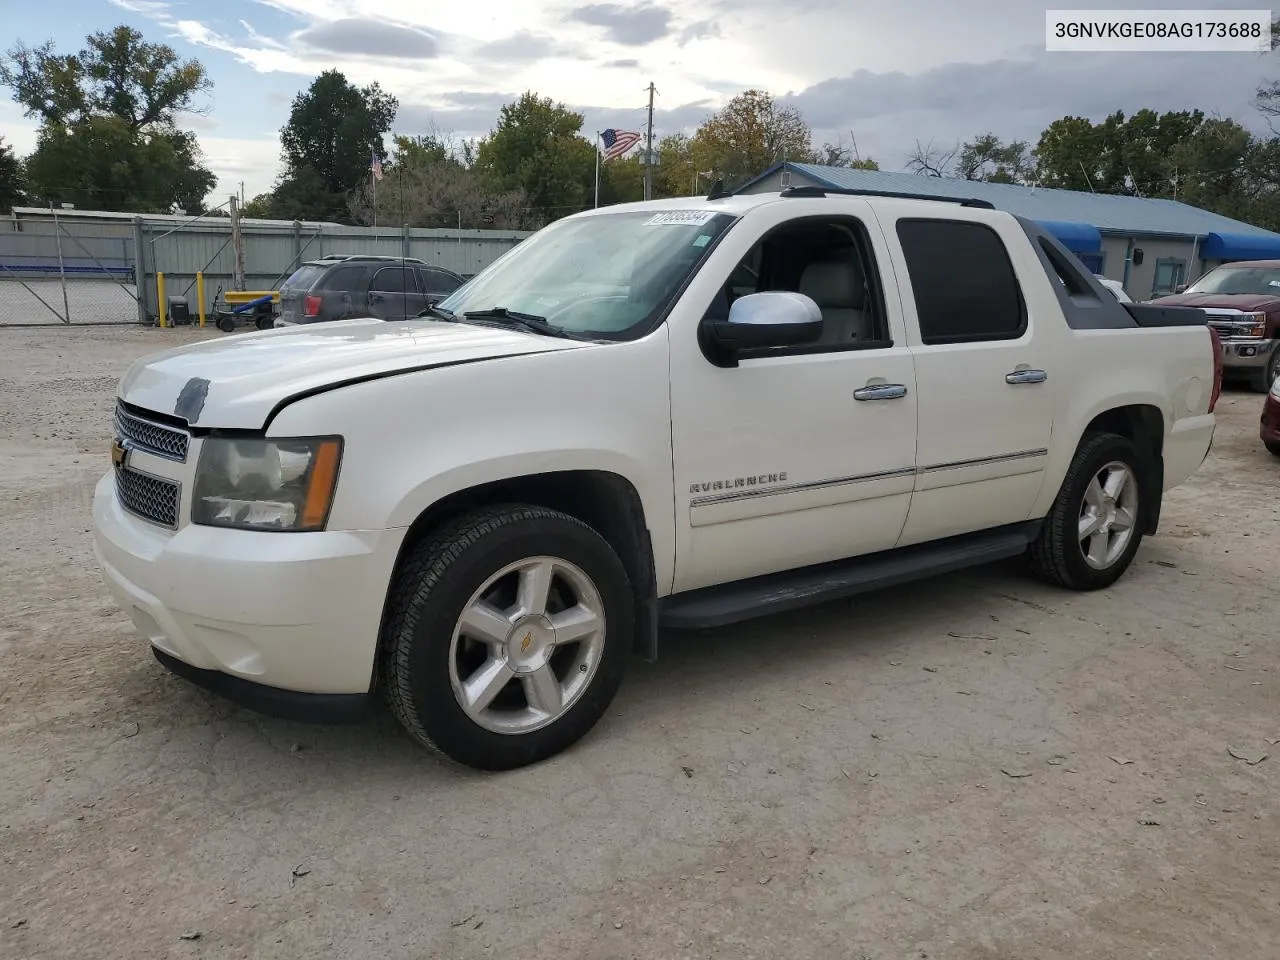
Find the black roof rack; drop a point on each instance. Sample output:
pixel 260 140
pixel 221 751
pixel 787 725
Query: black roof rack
pixel 853 192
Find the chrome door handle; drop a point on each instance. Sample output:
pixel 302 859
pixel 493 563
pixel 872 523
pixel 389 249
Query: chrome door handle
pixel 881 391
pixel 1026 376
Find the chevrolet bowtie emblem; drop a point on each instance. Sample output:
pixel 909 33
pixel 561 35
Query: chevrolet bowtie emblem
pixel 526 643
pixel 119 453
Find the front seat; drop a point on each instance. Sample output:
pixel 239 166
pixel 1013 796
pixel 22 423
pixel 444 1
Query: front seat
pixel 839 290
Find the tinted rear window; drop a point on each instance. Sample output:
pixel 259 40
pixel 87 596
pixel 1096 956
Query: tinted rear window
pixel 303 277
pixel 345 278
pixel 965 286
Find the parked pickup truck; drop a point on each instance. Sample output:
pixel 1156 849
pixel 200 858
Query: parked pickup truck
pixel 672 414
pixel 1242 301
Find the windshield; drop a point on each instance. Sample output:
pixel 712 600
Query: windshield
pixel 606 276
pixel 1234 280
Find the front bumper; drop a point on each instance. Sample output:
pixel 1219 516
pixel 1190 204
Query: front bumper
pixel 273 612
pixel 1247 354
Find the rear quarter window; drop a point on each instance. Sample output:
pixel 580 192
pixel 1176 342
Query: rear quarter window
pixel 303 278
pixel 964 283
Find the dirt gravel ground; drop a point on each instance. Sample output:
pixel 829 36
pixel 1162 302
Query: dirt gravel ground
pixel 971 768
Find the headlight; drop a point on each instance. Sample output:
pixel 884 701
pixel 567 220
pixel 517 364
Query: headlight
pixel 1258 323
pixel 266 484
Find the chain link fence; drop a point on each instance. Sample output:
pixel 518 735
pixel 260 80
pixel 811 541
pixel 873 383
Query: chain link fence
pixel 55 275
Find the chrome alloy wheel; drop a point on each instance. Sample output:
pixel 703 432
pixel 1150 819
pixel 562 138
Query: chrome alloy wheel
pixel 527 645
pixel 1108 515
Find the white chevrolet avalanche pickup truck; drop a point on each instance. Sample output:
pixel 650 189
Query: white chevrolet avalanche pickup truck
pixel 671 414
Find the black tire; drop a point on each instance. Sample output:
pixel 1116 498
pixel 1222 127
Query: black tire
pixel 1057 556
pixel 226 324
pixel 1262 381
pixel 1273 449
pixel 432 586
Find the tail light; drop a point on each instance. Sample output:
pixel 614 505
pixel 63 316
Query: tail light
pixel 1216 342
pixel 311 306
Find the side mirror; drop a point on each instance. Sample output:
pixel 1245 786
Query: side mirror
pixel 1181 288
pixel 775 318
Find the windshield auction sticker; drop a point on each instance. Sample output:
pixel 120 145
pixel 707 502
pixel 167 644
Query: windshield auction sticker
pixel 691 218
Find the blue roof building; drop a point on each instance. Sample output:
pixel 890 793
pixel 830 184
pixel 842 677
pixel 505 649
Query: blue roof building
pixel 1152 246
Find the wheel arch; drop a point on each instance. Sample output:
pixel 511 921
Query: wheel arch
pixel 1144 425
pixel 607 502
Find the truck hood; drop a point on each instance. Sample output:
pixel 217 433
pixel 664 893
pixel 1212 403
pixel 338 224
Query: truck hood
pixel 236 382
pixel 1248 302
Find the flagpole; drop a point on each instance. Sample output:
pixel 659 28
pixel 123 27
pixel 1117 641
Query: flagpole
pixel 597 148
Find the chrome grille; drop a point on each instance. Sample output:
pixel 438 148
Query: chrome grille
pixel 148 497
pixel 1232 326
pixel 164 441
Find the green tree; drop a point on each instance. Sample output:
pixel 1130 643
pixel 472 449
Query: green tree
pixel 118 74
pixel 989 158
pixel 675 172
pixel 749 135
pixel 1120 155
pixel 100 163
pixel 109 136
pixel 334 128
pixel 622 180
pixel 537 148
pixel 12 178
pixel 430 182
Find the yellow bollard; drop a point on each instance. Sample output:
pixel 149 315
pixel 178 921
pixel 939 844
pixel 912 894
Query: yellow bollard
pixel 200 295
pixel 160 299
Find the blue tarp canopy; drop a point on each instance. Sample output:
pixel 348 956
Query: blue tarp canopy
pixel 1241 246
pixel 1076 237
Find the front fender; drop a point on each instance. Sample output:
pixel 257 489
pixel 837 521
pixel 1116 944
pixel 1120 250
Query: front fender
pixel 411 440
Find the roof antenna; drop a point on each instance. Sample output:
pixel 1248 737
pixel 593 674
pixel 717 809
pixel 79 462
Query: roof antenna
pixel 718 192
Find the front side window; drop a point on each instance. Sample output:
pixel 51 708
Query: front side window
pixel 393 280
pixel 1239 279
pixel 608 276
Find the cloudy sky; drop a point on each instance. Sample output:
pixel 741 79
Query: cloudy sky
pixel 887 74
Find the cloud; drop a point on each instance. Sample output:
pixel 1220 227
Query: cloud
pixel 259 38
pixel 1018 98
pixel 621 64
pixel 629 26
pixel 148 8
pixel 523 47
pixel 374 38
pixel 196 121
pixel 702 30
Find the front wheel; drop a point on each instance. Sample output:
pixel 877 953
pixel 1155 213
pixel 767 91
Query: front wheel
pixel 508 636
pixel 1095 525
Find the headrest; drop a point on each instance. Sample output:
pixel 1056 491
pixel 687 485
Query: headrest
pixel 833 283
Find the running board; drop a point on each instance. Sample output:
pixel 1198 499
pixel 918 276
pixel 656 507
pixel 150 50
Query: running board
pixel 775 593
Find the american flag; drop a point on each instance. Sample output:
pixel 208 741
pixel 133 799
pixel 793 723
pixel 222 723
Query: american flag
pixel 618 142
pixel 376 166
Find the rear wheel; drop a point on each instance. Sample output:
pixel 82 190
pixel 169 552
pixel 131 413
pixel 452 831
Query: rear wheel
pixel 1095 526
pixel 1273 449
pixel 508 636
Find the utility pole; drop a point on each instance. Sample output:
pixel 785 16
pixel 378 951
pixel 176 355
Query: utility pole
pixel 237 244
pixel 648 149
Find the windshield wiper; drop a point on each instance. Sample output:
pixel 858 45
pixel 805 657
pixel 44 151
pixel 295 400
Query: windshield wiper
pixel 526 321
pixel 437 311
